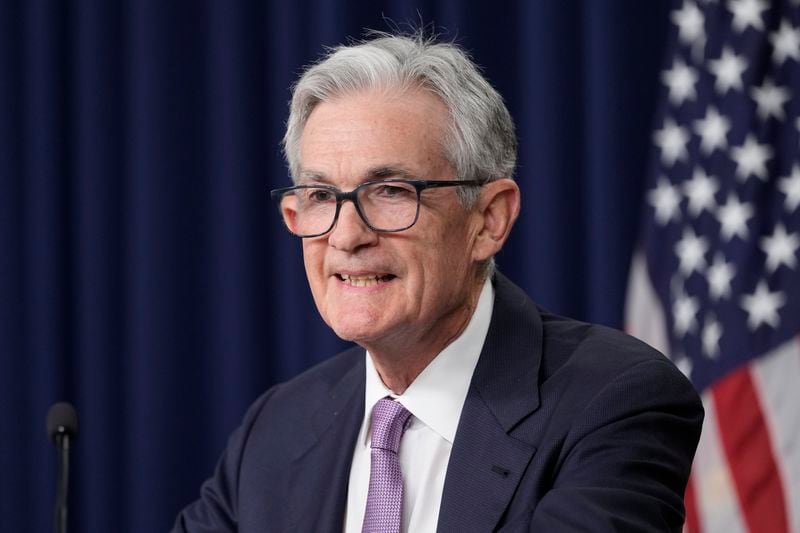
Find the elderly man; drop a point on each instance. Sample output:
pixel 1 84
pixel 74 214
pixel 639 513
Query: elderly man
pixel 464 407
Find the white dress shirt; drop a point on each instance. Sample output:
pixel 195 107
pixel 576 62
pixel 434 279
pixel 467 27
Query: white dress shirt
pixel 435 399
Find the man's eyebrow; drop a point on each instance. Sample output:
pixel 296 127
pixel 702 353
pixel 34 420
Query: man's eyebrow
pixel 389 171
pixel 378 172
pixel 311 176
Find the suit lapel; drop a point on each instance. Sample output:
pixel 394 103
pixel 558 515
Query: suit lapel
pixel 321 471
pixel 487 462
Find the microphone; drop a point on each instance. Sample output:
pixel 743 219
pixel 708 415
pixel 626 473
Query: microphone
pixel 62 425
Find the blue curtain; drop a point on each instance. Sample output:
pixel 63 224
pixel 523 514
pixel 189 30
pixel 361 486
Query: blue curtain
pixel 144 274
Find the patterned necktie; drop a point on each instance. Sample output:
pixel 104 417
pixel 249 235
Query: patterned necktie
pixel 385 497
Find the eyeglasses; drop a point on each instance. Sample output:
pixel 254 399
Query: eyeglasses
pixel 387 206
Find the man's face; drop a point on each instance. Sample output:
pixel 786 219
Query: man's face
pixel 410 285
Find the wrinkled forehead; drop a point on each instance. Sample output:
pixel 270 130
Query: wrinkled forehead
pixel 373 134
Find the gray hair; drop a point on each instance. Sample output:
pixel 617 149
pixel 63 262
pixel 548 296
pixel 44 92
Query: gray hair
pixel 480 141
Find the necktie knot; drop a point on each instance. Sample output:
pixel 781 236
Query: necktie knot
pixel 389 420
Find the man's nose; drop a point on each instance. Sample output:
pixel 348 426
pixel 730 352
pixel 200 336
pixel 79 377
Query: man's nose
pixel 350 231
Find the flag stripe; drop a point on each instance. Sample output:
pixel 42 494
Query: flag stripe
pixel 692 525
pixel 745 438
pixel 717 503
pixel 776 377
pixel 643 314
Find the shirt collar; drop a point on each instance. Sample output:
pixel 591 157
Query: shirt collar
pixel 436 397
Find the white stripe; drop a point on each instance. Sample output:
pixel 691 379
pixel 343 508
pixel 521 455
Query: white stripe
pixel 717 502
pixel 644 317
pixel 777 375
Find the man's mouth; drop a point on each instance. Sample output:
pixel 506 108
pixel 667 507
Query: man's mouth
pixel 365 280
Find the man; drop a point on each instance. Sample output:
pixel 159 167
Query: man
pixel 464 407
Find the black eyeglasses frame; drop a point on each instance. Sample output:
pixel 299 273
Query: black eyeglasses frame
pixel 341 196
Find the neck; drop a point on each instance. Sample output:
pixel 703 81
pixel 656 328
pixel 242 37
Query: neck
pixel 400 360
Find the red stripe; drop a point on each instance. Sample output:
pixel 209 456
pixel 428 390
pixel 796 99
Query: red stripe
pixel 747 445
pixel 692 524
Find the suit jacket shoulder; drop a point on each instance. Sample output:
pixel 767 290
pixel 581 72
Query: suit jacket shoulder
pixel 569 426
pixel 286 467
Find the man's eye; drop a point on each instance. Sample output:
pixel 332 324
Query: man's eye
pixel 320 195
pixel 394 191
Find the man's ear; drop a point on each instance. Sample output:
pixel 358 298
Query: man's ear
pixel 498 206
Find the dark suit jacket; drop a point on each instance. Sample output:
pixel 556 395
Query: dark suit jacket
pixel 566 427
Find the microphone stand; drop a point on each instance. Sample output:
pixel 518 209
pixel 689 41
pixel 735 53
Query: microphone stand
pixel 60 512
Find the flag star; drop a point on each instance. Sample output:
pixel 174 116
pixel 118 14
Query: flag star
pixel 720 274
pixel 680 80
pixel 751 158
pixel 666 200
pixel 672 140
pixel 713 130
pixel 691 250
pixel 747 13
pixel 780 248
pixel 728 70
pixel 785 43
pixel 684 311
pixel 712 333
pixel 770 99
pixel 701 190
pixel 790 186
pixel 762 306
pixel 733 217
pixel 690 21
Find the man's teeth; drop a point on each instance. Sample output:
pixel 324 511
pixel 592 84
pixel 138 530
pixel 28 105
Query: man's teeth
pixel 362 281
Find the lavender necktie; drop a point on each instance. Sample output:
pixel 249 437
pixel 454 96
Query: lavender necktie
pixel 385 497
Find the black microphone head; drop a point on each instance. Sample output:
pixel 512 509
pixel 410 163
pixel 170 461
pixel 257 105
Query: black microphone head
pixel 62 419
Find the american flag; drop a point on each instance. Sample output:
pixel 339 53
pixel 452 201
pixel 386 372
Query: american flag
pixel 715 283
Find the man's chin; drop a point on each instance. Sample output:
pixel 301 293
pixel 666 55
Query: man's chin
pixel 353 334
pixel 355 319
pixel 358 332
